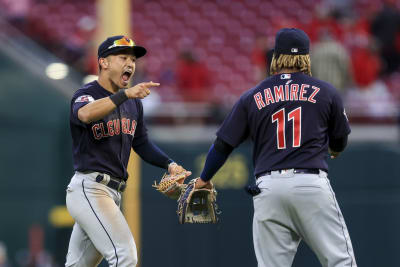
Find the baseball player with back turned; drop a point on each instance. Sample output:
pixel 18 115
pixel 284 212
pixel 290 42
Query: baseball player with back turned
pixel 293 120
pixel 106 121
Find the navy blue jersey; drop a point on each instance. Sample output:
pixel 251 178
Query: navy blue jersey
pixel 289 118
pixel 105 145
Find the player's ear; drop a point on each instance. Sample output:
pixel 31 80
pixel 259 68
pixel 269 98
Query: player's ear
pixel 103 62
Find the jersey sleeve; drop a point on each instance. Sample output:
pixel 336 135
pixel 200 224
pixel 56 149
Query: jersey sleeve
pixel 79 101
pixel 338 121
pixel 234 130
pixel 141 129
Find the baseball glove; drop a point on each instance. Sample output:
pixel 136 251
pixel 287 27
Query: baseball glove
pixel 171 185
pixel 197 205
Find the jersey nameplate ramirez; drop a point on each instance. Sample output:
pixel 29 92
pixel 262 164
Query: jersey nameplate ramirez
pixel 292 92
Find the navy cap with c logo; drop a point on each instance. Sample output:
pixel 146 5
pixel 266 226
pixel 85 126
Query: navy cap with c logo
pixel 115 44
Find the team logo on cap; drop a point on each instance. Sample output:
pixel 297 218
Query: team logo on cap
pixel 294 50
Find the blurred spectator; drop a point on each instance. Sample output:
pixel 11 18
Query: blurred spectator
pixel 168 89
pixel 331 61
pixel 371 97
pixel 76 50
pixel 90 65
pixel 193 78
pixel 342 7
pixel 259 57
pixel 324 18
pixel 167 77
pixel 152 102
pixel 140 74
pixel 365 60
pixel 16 11
pixel 3 255
pixel 36 256
pixel 386 27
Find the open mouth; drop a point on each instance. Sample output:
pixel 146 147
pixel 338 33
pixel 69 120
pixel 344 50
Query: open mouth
pixel 126 75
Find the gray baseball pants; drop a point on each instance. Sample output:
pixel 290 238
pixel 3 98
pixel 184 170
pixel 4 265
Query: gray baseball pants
pixel 100 228
pixel 293 207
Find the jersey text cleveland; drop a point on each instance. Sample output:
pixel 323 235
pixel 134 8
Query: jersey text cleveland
pixel 293 92
pixel 112 127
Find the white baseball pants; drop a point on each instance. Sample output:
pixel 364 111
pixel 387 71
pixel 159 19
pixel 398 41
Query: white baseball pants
pixel 293 207
pixel 100 228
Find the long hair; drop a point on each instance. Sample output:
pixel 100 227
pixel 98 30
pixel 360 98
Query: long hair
pixel 300 62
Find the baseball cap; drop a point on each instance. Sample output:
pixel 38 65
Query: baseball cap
pixel 292 41
pixel 118 43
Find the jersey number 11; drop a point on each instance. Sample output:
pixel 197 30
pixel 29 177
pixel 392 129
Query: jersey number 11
pixel 294 116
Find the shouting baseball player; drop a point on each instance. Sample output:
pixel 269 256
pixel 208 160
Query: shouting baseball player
pixel 293 120
pixel 106 121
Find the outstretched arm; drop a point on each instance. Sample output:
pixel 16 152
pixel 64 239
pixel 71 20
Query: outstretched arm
pixel 216 158
pixel 104 106
pixel 152 154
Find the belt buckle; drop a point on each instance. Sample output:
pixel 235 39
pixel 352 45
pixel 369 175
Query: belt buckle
pixel 103 178
pixel 106 179
pixel 120 184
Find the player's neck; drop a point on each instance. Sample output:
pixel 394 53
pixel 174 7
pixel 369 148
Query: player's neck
pixel 287 70
pixel 107 84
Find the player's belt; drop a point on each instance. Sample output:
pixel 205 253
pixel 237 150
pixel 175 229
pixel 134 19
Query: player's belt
pixel 309 171
pixel 113 183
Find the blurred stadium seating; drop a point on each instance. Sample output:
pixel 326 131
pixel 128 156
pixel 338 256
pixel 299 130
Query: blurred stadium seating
pixel 221 33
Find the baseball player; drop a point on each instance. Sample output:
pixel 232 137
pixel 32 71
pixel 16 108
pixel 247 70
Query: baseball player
pixel 106 121
pixel 292 119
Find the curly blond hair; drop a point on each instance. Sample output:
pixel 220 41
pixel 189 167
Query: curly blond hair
pixel 300 62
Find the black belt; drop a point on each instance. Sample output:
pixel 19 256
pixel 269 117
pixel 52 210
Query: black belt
pixel 310 171
pixel 118 185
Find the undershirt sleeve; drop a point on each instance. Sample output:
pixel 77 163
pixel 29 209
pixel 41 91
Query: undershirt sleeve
pixel 152 154
pixel 146 149
pixel 217 156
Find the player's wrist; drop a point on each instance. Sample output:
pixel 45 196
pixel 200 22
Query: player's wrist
pixel 200 183
pixel 119 97
pixel 204 180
